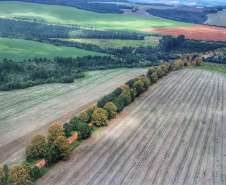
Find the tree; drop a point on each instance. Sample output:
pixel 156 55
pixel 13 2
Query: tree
pixel 132 94
pixel 112 109
pixel 139 86
pixel 54 132
pixel 67 129
pixel 74 122
pixel 6 171
pixel 84 129
pixel 124 87
pixel 35 173
pixel 150 71
pixel 181 63
pixel 145 81
pixel 91 109
pixel 120 103
pixel 159 72
pixel 164 69
pixel 176 65
pixel 127 95
pixel 166 64
pixel 84 116
pixel 2 176
pixel 198 61
pixel 100 117
pixel 64 147
pixel 19 175
pixel 153 78
pixel 37 148
pixel 52 155
pixel 117 91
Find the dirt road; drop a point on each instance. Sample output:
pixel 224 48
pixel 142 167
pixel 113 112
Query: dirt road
pixel 174 134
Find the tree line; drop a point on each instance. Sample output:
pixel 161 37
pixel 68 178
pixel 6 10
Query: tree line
pixel 219 59
pixel 182 15
pixel 29 30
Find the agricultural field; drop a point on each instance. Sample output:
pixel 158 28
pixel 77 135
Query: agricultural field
pixel 217 19
pixel 25 113
pixel 173 134
pixel 207 66
pixel 116 44
pixel 18 50
pixel 199 32
pixel 70 15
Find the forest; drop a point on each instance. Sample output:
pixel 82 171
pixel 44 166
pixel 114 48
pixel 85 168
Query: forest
pixel 180 15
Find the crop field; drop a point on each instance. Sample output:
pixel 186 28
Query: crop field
pixel 25 113
pixel 217 19
pixel 70 15
pixel 117 44
pixel 175 133
pixel 199 32
pixel 18 50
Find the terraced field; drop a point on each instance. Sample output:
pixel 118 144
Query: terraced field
pixel 174 134
pixel 25 113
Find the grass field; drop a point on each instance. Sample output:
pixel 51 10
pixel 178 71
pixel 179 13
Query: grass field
pixel 113 43
pixel 217 19
pixel 70 15
pixel 219 68
pixel 173 134
pixel 25 113
pixel 18 50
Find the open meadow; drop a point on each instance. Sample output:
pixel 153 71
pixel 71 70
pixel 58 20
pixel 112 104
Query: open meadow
pixel 173 134
pixel 25 113
pixel 19 50
pixel 70 15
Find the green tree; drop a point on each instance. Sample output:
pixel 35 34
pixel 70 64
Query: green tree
pixel 54 132
pixel 64 147
pixel 19 175
pixel 91 109
pixel 6 171
pixel 120 103
pixel 153 78
pixel 127 95
pixel 67 129
pixel 164 69
pixel 159 72
pixel 145 81
pixel 150 71
pixel 112 109
pixel 85 130
pixel 139 86
pixel 166 64
pixel 74 122
pixel 2 176
pixel 100 117
pixel 37 147
pixel 84 116
pixel 35 173
pixel 52 155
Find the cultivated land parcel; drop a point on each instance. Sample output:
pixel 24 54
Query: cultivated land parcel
pixel 25 113
pixel 173 134
pixel 71 15
pixel 19 50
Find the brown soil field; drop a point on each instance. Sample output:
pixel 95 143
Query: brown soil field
pixel 199 32
pixel 174 133
pixel 25 113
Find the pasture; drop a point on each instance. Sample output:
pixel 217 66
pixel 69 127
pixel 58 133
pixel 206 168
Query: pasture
pixel 116 44
pixel 217 19
pixel 207 66
pixel 18 50
pixel 25 113
pixel 173 134
pixel 70 15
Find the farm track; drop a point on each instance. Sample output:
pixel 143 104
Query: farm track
pixel 38 107
pixel 173 134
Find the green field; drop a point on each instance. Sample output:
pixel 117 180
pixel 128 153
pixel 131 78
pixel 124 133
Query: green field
pixel 18 50
pixel 113 43
pixel 207 66
pixel 70 15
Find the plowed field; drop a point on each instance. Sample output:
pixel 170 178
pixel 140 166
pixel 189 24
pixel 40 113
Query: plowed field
pixel 199 32
pixel 174 134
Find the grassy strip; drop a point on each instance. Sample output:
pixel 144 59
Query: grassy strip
pixel 214 67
